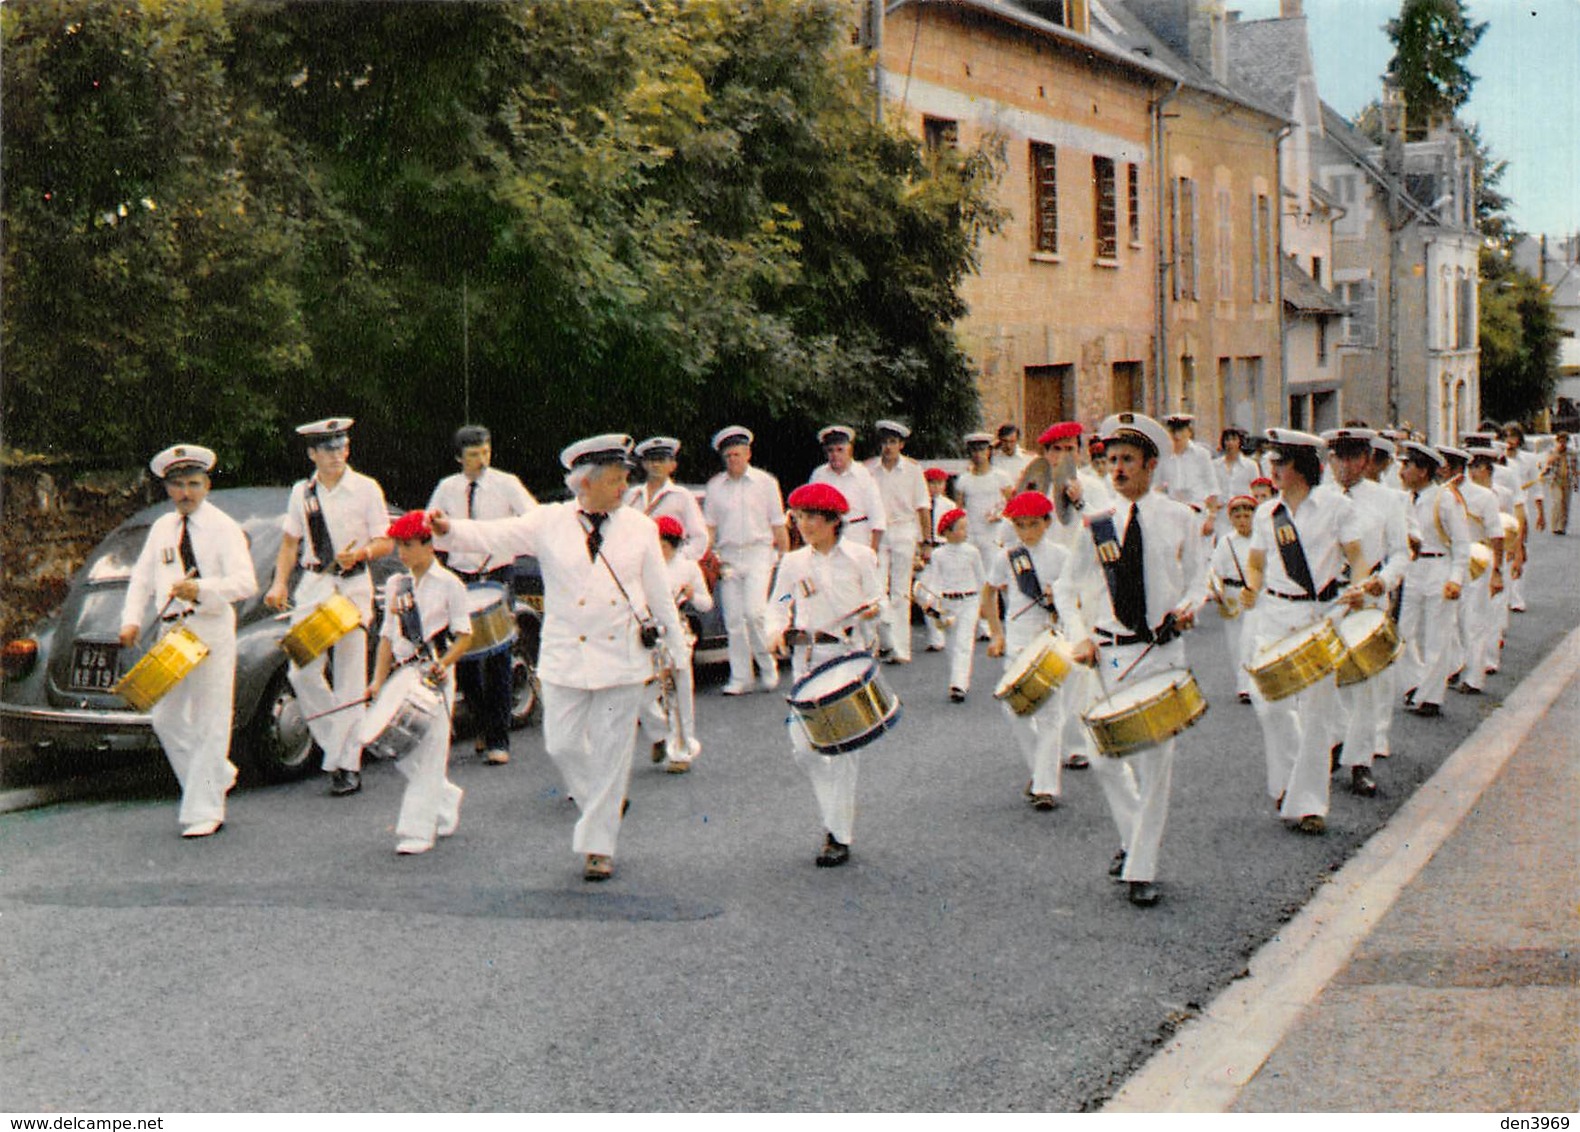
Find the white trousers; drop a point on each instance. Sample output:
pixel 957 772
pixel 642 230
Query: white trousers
pixel 1137 786
pixel 1369 706
pixel 1478 628
pixel 1037 738
pixel 590 733
pixel 656 725
pixel 743 595
pixel 1077 694
pixel 336 733
pixel 1298 732
pixel 192 722
pixel 894 565
pixel 960 639
pixel 430 798
pixel 833 777
pixel 1430 631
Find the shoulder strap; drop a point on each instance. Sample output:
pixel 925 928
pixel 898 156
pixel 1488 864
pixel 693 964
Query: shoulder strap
pixel 1105 540
pixel 406 610
pixel 318 527
pixel 1290 550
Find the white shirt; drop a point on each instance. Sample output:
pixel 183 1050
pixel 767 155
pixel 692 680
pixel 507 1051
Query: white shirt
pixel 1011 465
pixel 1481 510
pixel 860 490
pixel 939 506
pixel 441 604
pixel 954 568
pixel 1384 526
pixel 353 509
pixel 679 504
pixel 982 498
pixel 499 495
pixel 1173 566
pixel 1325 521
pixel 814 591
pixel 1022 620
pixel 1229 556
pixel 1234 477
pixel 1188 476
pixel 591 635
pixel 903 490
pixel 1439 521
pixel 683 571
pixel 225 572
pixel 743 511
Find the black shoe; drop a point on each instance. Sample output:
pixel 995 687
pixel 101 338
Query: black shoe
pixel 957 695
pixel 1362 782
pixel 1426 711
pixel 1454 679
pixel 1334 755
pixel 1116 867
pixel 1077 762
pixel 834 852
pixel 1245 698
pixel 625 804
pixel 1467 689
pixel 1143 893
pixel 1044 802
pixel 345 782
pixel 1409 698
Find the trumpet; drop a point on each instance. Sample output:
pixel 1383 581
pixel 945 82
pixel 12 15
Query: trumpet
pixel 676 746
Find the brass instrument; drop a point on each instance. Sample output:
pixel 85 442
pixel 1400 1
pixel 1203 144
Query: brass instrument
pixel 676 748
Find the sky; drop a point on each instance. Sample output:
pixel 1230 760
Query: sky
pixel 1526 98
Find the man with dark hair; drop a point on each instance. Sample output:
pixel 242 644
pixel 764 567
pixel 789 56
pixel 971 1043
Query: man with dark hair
pixel 1300 543
pixel 1441 534
pixel 481 491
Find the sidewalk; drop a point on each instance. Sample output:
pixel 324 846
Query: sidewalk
pixel 1439 971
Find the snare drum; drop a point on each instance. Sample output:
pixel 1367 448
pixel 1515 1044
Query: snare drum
pixel 493 622
pixel 407 709
pixel 844 704
pixel 1511 525
pixel 317 633
pixel 1481 559
pixel 1145 713
pixel 162 667
pixel 1293 663
pixel 1037 670
pixel 1371 644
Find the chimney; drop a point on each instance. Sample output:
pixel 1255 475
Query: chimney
pixel 1289 10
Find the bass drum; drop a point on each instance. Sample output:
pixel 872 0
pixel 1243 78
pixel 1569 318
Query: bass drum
pixel 843 704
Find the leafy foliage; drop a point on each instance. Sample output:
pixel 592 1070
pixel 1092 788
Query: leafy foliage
pixel 1519 340
pixel 1432 39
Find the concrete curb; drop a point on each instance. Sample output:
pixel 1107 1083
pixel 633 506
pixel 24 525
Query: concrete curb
pixel 1214 1056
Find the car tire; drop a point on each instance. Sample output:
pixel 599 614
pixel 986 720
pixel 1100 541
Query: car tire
pixel 276 743
pixel 526 703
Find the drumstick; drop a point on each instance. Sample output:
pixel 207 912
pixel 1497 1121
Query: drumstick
pixel 340 707
pixel 349 546
pixel 188 576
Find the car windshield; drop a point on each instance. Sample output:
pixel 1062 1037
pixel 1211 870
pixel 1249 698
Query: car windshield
pixel 116 556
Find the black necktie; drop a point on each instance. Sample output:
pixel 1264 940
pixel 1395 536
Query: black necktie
pixel 188 555
pixel 595 534
pixel 1130 604
pixel 471 498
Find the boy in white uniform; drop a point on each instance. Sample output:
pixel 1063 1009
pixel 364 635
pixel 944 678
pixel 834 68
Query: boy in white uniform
pixel 195 564
pixel 1024 574
pixel 982 490
pixel 939 504
pixel 426 623
pixel 822 592
pixel 690 589
pixel 954 576
pixel 1228 568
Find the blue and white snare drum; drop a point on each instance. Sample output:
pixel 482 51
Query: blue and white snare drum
pixel 843 704
pixel 493 619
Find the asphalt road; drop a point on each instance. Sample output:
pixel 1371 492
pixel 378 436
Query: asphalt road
pixel 973 956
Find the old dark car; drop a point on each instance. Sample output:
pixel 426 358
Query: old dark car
pixel 56 691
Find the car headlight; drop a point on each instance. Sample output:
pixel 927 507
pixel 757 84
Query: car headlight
pixel 18 657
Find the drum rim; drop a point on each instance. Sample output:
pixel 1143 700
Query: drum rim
pixel 869 668
pixel 856 742
pixel 1173 671
pixel 504 591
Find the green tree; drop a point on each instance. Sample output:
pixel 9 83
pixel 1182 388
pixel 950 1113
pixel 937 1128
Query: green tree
pixel 1519 340
pixel 1432 39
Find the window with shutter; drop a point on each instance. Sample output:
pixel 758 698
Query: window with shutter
pixel 1105 193
pixel 1045 197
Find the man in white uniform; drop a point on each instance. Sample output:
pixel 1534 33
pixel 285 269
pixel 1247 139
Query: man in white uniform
pixel 1125 601
pixel 659 495
pixel 1008 456
pixel 982 490
pixel 906 508
pixel 605 593
pixel 481 491
pixel 746 525
pixel 1527 467
pixel 1427 625
pixel 866 521
pixel 1185 473
pixel 1477 610
pixel 334 526
pixel 195 564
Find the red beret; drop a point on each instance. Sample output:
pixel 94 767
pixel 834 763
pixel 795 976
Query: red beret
pixel 669 527
pixel 818 497
pixel 1097 447
pixel 412 525
pixel 1064 430
pixel 949 519
pixel 936 474
pixel 1031 504
pixel 1263 479
pixel 1240 501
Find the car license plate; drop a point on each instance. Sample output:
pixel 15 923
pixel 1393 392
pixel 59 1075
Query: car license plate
pixel 95 666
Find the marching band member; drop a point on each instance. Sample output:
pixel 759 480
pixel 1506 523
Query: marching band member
pixel 1485 461
pixel 604 592
pixel 1024 575
pixel 1385 545
pixel 1008 456
pixel 1527 466
pixel 196 565
pixel 335 522
pixel 1476 610
pixel 1185 472
pixel 1436 576
pixel 938 505
pixel 425 622
pixel 1228 574
pixel 821 589
pixel 1262 490
pixel 746 527
pixel 1129 592
pixel 690 590
pixel 855 483
pixel 481 491
pixel 659 495
pixel 1233 470
pixel 1099 458
pixel 907 511
pixel 953 579
pixel 982 490
pixel 1299 546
